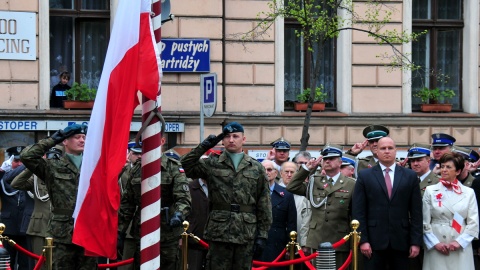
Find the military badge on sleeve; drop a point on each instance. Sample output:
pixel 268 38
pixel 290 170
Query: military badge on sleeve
pixel 185 187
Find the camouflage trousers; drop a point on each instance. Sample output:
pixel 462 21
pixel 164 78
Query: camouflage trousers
pixel 71 257
pixel 169 255
pixel 228 256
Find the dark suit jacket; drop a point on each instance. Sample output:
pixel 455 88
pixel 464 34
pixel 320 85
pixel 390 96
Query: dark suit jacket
pixel 396 221
pixel 284 215
pixel 198 214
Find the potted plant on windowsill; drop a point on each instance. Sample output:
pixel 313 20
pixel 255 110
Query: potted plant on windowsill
pixel 80 96
pixel 434 100
pixel 318 101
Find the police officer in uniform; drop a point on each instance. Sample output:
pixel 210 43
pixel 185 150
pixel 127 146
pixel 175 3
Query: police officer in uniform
pixel 281 152
pixel 470 157
pixel 239 199
pixel 372 134
pixel 441 143
pixel 330 196
pixel 348 165
pixel 61 176
pixel 176 204
pixel 42 209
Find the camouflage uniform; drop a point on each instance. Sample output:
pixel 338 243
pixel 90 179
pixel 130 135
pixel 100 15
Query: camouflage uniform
pixel 240 206
pixel 61 177
pixel 175 196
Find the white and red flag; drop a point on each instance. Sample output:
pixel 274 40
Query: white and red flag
pixel 457 222
pixel 132 64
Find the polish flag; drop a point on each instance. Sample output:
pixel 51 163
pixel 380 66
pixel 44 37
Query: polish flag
pixel 457 222
pixel 132 63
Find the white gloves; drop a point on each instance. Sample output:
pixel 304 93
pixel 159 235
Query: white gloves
pixel 7 164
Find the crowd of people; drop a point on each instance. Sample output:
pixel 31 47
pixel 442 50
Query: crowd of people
pixel 416 213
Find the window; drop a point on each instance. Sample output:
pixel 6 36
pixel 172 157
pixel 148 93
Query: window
pixel 439 52
pixel 298 68
pixel 79 34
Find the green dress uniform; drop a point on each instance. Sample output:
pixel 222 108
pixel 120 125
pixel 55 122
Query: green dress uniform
pixel 42 211
pixel 365 163
pixel 239 200
pixel 61 177
pixel 468 181
pixel 331 209
pixel 175 198
pixel 431 179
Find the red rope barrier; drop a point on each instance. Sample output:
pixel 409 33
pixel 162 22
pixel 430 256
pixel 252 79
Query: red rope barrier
pixel 115 264
pixel 26 252
pixel 40 262
pixel 203 243
pixel 307 263
pixel 274 261
pixel 347 262
pixel 286 263
pixel 339 243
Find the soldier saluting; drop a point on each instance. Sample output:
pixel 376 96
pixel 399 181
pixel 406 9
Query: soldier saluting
pixel 239 199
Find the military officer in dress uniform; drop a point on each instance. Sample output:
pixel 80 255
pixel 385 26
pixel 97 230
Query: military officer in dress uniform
pixel 470 157
pixel 176 204
pixel 42 209
pixel 372 134
pixel 330 196
pixel 441 143
pixel 61 176
pixel 419 160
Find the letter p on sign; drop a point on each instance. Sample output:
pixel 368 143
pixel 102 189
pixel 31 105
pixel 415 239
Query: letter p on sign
pixel 208 90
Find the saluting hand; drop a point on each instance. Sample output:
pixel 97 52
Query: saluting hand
pixel 312 164
pixel 358 147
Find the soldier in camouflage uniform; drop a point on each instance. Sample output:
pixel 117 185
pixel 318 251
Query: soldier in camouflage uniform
pixel 61 177
pixel 372 134
pixel 176 203
pixel 239 199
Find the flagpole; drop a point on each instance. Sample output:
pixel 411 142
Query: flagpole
pixel 152 152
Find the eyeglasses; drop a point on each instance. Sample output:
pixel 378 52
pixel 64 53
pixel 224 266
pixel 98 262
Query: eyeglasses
pixel 301 162
pixel 269 169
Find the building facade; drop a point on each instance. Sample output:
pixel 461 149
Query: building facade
pixel 257 80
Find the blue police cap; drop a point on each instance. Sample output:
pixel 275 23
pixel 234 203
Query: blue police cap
pixel 442 139
pixel 15 151
pixel 348 160
pixel 173 154
pixel 418 150
pixel 331 150
pixel 77 129
pixel 467 153
pixel 281 143
pixel 232 127
pixel 132 146
pixel 375 132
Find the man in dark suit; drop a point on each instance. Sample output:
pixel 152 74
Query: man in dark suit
pixel 284 214
pixel 388 205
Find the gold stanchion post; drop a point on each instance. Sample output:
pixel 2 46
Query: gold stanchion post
pixel 355 240
pixel 48 252
pixel 292 246
pixel 185 245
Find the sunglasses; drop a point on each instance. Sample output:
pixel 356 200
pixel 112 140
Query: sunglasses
pixel 269 169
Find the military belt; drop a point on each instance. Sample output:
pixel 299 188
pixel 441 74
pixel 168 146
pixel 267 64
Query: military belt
pixel 237 208
pixel 62 211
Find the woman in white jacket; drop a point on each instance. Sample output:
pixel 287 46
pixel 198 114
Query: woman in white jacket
pixel 450 219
